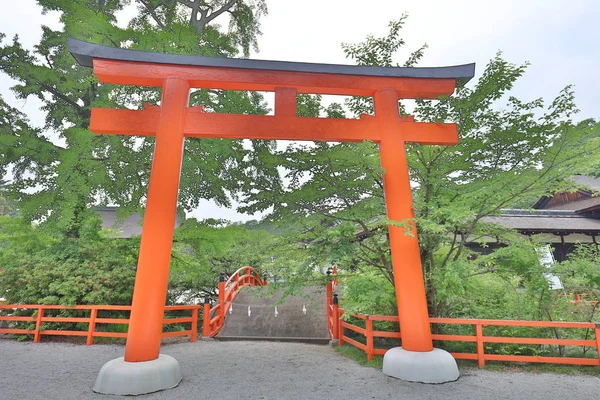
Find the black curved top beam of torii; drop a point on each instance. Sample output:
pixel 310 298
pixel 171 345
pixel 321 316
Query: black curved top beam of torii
pixel 85 52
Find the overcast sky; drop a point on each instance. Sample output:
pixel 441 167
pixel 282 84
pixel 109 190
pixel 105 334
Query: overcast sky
pixel 560 39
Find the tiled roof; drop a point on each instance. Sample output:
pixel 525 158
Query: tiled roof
pixel 546 221
pixel 587 181
pixel 578 205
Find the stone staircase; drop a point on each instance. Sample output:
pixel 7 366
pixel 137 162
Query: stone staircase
pixel 290 324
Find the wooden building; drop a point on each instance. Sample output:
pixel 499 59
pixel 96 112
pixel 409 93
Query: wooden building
pixel 565 219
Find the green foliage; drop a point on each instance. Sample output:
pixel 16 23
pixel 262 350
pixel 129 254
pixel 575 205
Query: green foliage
pixel 204 249
pixel 510 151
pixel 39 268
pixel 359 356
pixel 368 293
pixel 58 172
pixel 581 268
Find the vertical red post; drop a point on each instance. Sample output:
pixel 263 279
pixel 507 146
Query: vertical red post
pixel 370 350
pixel 92 327
pixel 597 332
pixel 285 102
pixel 206 319
pixel 150 291
pixel 406 259
pixel 340 327
pixel 222 310
pixel 38 324
pixel 336 317
pixel 194 334
pixel 480 349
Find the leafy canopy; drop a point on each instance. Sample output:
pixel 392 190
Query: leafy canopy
pixel 57 173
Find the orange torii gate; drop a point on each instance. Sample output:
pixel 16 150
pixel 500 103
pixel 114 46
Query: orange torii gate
pixel 144 368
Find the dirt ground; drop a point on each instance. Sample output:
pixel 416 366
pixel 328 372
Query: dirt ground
pixel 261 370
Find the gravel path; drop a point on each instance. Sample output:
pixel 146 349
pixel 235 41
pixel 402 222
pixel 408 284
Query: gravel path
pixel 261 370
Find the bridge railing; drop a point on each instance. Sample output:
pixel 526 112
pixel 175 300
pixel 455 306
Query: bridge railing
pixel 214 317
pixel 92 321
pixel 479 338
pixel 332 303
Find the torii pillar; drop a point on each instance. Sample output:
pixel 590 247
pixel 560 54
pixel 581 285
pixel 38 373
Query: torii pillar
pixel 144 369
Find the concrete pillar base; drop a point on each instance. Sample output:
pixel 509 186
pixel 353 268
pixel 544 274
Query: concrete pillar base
pixel 120 377
pixel 436 366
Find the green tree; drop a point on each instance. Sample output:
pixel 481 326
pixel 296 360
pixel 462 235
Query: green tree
pixel 40 268
pixel 58 172
pixel 202 250
pixel 509 150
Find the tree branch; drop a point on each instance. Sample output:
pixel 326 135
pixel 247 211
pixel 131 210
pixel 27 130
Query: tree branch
pixel 60 96
pixel 152 12
pixel 205 18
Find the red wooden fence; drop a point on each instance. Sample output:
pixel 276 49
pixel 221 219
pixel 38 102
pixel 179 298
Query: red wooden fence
pixel 93 320
pixel 478 338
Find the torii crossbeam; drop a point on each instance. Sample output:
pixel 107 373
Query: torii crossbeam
pixel 173 120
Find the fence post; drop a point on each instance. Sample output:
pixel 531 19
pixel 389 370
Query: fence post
pixel 206 318
pixel 248 277
pixel 340 327
pixel 480 350
pixel 336 318
pixel 328 292
pixel 369 334
pixel 91 327
pixel 221 299
pixel 38 324
pixel 597 332
pixel 194 334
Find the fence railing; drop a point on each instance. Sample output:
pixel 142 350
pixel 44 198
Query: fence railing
pixel 92 320
pixel 478 338
pixel 580 298
pixel 214 317
pixel 332 302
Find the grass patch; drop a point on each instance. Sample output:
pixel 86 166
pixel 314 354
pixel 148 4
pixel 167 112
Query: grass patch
pixel 359 356
pixel 533 368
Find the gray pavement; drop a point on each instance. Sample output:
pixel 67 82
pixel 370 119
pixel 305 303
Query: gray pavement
pixel 261 370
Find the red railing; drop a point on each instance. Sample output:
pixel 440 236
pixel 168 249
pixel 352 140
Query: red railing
pixel 93 320
pixel 478 338
pixel 214 317
pixel 332 303
pixel 580 298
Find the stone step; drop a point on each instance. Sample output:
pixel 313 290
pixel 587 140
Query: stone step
pixel 310 340
pixel 289 324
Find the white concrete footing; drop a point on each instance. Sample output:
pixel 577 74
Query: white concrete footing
pixel 120 377
pixel 436 366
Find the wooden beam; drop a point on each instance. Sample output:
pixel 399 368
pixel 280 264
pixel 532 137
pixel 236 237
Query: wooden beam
pixel 147 74
pixel 285 102
pixel 237 126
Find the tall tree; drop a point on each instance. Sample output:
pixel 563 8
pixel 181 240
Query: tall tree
pixel 505 154
pixel 59 171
